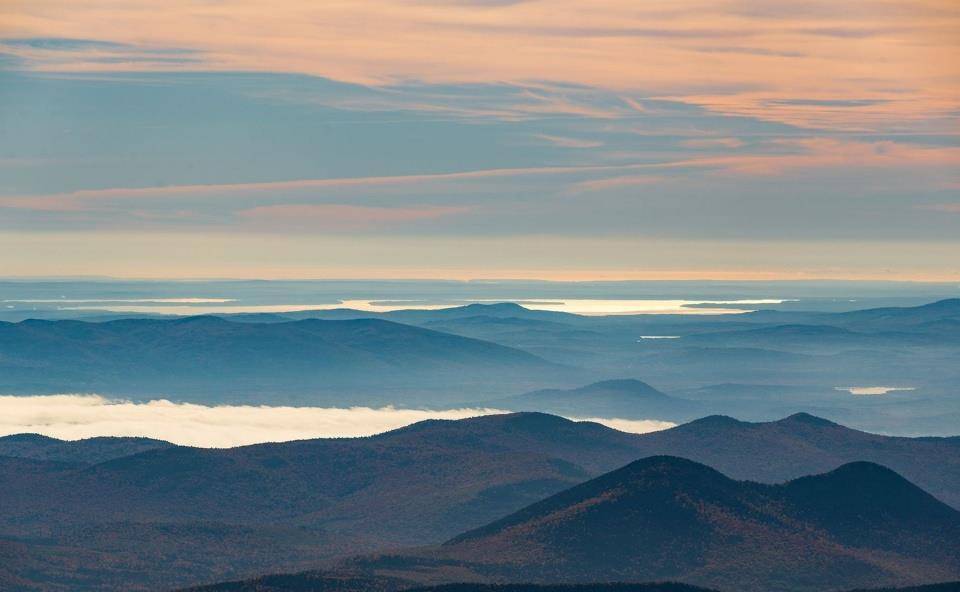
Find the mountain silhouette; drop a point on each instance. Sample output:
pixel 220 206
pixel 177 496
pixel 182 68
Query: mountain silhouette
pixel 224 514
pixel 668 518
pixel 803 444
pixel 624 398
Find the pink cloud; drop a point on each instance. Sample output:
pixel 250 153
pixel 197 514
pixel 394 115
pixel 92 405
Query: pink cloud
pixel 821 153
pixel 899 60
pixel 618 182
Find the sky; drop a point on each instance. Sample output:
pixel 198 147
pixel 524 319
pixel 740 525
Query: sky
pixel 725 139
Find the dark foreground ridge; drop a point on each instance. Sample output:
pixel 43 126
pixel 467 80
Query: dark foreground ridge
pixel 667 518
pixel 670 519
pixel 654 587
pixel 320 582
pixel 206 515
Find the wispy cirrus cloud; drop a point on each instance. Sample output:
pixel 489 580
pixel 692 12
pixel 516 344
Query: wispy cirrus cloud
pixel 56 52
pixel 826 52
pixel 565 142
pixel 512 200
pixel 832 153
pixel 96 199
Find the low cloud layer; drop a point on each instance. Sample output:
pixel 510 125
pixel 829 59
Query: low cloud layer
pixel 75 416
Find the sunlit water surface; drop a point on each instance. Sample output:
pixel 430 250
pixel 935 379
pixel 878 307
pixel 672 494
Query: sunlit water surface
pixel 582 306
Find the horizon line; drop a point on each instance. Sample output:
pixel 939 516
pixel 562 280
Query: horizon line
pixel 559 279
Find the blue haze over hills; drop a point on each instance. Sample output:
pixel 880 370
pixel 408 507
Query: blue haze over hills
pixel 803 353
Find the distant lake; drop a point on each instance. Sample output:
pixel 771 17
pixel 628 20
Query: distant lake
pixel 585 306
pixel 873 390
pixel 582 306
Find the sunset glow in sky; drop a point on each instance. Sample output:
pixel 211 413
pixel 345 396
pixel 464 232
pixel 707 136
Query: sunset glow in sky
pixel 480 138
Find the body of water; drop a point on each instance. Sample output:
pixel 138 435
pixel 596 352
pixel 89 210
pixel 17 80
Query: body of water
pixel 873 390
pixel 581 306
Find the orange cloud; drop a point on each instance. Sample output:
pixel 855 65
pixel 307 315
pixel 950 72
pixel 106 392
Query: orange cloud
pixel 819 153
pixel 900 59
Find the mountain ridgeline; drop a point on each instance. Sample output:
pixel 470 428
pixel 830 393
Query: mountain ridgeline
pixel 88 451
pixel 666 518
pixel 198 515
pixel 212 357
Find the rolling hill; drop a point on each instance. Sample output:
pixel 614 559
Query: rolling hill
pixel 86 451
pixel 215 357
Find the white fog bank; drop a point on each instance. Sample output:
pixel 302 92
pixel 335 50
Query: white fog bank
pixel 76 416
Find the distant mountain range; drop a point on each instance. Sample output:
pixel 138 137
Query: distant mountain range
pixel 499 311
pixel 460 355
pixel 625 398
pixel 206 514
pixel 819 338
pixel 809 353
pixel 216 358
pixel 872 319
